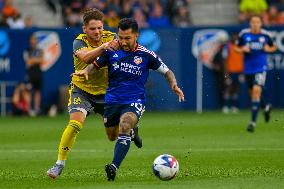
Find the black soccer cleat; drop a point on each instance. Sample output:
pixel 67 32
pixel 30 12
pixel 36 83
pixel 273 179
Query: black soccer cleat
pixel 136 138
pixel 110 171
pixel 266 113
pixel 250 128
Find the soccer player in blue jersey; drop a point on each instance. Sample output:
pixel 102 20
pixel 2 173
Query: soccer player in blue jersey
pixel 128 69
pixel 255 43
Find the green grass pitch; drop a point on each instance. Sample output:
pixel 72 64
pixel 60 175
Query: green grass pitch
pixel 214 151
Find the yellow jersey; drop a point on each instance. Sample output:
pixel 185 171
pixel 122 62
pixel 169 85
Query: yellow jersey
pixel 98 81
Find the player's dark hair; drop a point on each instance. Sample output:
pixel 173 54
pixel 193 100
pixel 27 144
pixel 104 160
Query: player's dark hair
pixel 128 23
pixel 255 15
pixel 92 14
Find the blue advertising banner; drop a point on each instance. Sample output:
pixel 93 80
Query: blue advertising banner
pixel 188 52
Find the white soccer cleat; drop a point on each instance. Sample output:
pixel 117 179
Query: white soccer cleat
pixel 55 171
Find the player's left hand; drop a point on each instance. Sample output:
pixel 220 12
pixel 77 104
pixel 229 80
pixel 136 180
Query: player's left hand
pixel 266 48
pixel 178 92
pixel 81 73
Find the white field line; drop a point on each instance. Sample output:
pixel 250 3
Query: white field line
pixel 148 150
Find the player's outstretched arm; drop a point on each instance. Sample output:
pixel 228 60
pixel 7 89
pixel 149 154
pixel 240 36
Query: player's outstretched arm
pixel 173 84
pixel 269 49
pixel 85 72
pixel 88 56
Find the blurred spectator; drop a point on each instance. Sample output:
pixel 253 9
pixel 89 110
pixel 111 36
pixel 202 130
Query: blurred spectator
pixel 140 18
pixel 182 18
pixel 272 16
pixel 251 7
pixel 3 22
pixel 1 4
pixel 150 11
pixel 9 10
pixel 157 18
pixel 126 9
pixel 72 19
pixel 113 4
pixel 29 22
pixel 21 100
pixel 277 3
pixel 77 5
pixel 218 68
pixel 172 6
pixel 112 18
pixel 233 76
pixel 16 21
pixel 281 18
pixel 145 6
pixel 34 58
pixel 99 4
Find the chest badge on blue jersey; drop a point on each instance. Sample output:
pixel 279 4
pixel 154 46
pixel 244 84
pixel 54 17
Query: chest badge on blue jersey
pixel 261 39
pixel 137 60
pixel 115 66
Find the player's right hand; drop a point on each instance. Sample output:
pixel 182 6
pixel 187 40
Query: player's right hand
pixel 81 73
pixel 178 92
pixel 246 49
pixel 112 45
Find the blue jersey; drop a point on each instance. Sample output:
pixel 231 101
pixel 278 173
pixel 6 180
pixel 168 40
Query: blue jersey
pixel 255 60
pixel 128 72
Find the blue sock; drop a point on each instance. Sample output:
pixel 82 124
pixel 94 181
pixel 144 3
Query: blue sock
pixel 254 110
pixel 226 102
pixel 121 148
pixel 235 100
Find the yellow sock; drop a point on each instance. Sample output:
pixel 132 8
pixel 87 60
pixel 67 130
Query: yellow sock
pixel 68 138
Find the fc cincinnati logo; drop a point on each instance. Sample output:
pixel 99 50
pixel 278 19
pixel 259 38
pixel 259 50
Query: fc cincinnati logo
pixel 49 42
pixel 206 43
pixel 261 39
pixel 137 60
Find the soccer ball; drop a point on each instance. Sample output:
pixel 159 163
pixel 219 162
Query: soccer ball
pixel 165 167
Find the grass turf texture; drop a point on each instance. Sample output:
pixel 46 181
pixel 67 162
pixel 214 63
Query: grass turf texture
pixel 214 151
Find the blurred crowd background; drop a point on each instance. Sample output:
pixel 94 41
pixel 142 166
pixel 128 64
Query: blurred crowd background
pixel 149 13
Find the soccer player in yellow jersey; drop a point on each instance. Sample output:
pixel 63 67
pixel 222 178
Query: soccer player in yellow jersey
pixel 85 95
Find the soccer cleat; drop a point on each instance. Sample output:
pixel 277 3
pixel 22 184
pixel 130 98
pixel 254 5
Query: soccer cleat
pixel 266 113
pixel 110 171
pixel 234 110
pixel 250 128
pixel 225 110
pixel 136 138
pixel 55 171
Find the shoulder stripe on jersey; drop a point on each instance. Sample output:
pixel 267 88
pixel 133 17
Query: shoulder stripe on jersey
pixel 243 31
pixel 141 48
pixel 79 49
pixel 265 32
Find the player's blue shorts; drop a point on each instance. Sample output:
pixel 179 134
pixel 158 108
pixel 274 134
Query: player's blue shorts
pixel 113 112
pixel 255 79
pixel 81 101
